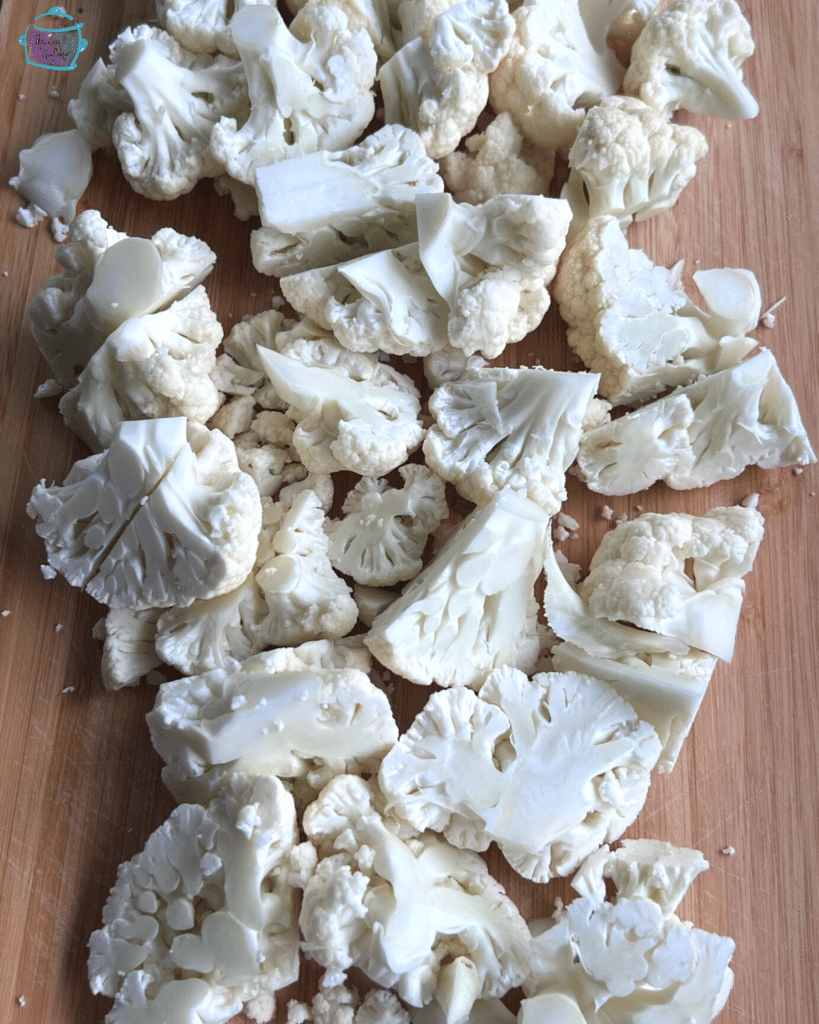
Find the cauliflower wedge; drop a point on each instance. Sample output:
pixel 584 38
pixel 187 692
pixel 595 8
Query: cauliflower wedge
pixel 162 517
pixel 202 923
pixel 548 768
pixel 275 714
pixel 414 914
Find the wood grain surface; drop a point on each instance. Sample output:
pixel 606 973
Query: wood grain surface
pixel 80 787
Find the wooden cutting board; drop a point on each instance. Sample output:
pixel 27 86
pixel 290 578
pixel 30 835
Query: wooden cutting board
pixel 80 788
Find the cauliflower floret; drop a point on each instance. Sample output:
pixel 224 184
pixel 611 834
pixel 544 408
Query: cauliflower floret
pixel 553 73
pixel 341 205
pixel 497 161
pixel 202 26
pixel 400 909
pixel 161 517
pixel 309 87
pixel 470 766
pixel 517 428
pixel 472 609
pixel 627 160
pixel 368 424
pixel 690 56
pixel 153 366
pixel 306 599
pixel 492 264
pixel 98 104
pixel 708 431
pixel 177 98
pixel 438 84
pixel 381 539
pixel 202 922
pixel 55 173
pixel 263 717
pixel 631 321
pixel 129 650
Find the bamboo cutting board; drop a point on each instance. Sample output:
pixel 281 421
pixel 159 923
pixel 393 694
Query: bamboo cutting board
pixel 80 788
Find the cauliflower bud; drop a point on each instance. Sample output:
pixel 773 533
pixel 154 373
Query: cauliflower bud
pixel 161 517
pixel 414 914
pixel 202 923
pixel 548 768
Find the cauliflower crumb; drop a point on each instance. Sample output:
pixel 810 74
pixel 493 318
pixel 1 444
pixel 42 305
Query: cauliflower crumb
pixel 54 92
pixel 5 273
pixel 5 613
pixel 560 533
pixel 68 689
pixel 59 230
pixel 21 1000
pixel 607 513
pixel 798 470
pixel 58 626
pixel 567 522
pixel 811 494
pixel 729 851
pixel 21 95
pixel 622 518
pixel 750 501
pixel 29 216
pixel 638 508
pixel 48 389
pixel 48 572
pixel 768 318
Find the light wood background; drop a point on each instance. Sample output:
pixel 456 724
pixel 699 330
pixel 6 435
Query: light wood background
pixel 80 789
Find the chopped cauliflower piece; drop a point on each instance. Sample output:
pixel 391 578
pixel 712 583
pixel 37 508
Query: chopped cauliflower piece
pixel 202 923
pixel 548 768
pixel 631 321
pixel 503 427
pixel 54 173
pixel 129 648
pixel 161 517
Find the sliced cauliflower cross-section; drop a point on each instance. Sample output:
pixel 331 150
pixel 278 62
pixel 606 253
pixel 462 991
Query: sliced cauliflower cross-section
pixel 381 539
pixel 548 768
pixel 202 924
pixel 267 717
pixel 416 914
pixel 161 517
pixel 509 427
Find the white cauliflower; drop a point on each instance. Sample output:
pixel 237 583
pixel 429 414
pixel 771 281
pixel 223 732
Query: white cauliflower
pixel 689 56
pixel 153 366
pixel 472 608
pixel 177 97
pixel 129 650
pixel 54 173
pixel 497 161
pixel 309 87
pixel 381 539
pixel 492 264
pixel 548 768
pixel 273 714
pixel 503 427
pixel 628 161
pixel 161 517
pixel 202 26
pixel 708 431
pixel 631 321
pixel 437 84
pixel 202 923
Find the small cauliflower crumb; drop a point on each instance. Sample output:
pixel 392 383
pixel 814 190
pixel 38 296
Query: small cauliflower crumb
pixel 750 501
pixel 567 522
pixel 5 273
pixel 48 572
pixel 811 494
pixel 768 319
pixel 68 689
pixel 48 389
pixel 21 95
pixel 607 513
pixel 798 470
pixel 21 1000
pixel 638 508
pixel 58 626
pixel 5 613
pixel 729 851
pixel 29 216
pixel 622 518
pixel 560 533
pixel 54 92
pixel 59 230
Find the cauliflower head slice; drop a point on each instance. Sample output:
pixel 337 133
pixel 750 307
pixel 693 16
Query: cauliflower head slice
pixel 437 84
pixel 310 87
pixel 341 205
pixel 406 906
pixel 472 608
pixel 151 367
pixel 383 301
pixel 638 574
pixel 261 719
pixel 552 73
pixel 381 539
pixel 708 431
pixel 492 264
pixel 202 922
pixel 177 97
pixel 161 517
pixel 497 161
pixel 368 426
pixel 628 161
pixel 689 56
pixel 631 321
pixel 516 428
pixel 472 767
